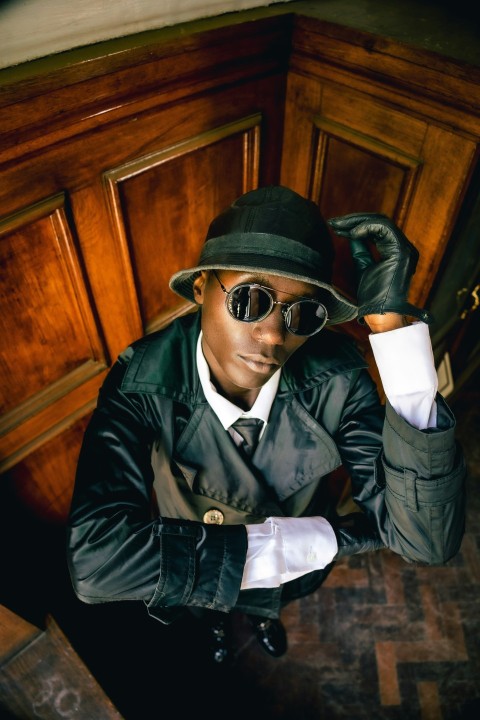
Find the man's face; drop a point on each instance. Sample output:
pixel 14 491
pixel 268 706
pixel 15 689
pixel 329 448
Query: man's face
pixel 243 356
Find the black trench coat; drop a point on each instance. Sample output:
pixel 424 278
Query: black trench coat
pixel 155 459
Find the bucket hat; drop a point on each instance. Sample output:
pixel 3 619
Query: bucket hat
pixel 275 230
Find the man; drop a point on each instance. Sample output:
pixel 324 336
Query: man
pixel 249 525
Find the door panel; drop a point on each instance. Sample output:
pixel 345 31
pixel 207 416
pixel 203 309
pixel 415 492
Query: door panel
pixel 54 345
pixel 93 229
pixel 162 203
pixel 351 152
pixel 43 480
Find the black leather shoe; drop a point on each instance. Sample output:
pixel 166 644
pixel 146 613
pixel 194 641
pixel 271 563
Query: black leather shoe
pixel 220 642
pixel 270 634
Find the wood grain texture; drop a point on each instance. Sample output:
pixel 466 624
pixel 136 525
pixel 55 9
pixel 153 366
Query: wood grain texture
pixel 110 172
pixel 44 677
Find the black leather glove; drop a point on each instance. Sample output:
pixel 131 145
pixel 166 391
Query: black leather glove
pixel 355 535
pixel 382 286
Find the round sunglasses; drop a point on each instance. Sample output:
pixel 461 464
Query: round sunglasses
pixel 250 302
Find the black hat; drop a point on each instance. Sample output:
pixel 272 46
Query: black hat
pixel 277 231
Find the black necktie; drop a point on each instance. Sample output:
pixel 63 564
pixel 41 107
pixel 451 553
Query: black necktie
pixel 249 429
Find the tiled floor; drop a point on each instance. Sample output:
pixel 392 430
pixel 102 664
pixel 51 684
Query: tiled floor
pixel 381 640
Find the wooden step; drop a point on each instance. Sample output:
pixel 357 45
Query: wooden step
pixel 41 676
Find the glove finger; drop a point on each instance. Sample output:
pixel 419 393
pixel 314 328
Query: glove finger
pixel 362 256
pixel 379 229
pixel 344 224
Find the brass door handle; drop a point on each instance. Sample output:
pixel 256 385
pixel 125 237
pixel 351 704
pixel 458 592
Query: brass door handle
pixel 475 301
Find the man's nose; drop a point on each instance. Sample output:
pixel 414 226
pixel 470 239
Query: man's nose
pixel 272 329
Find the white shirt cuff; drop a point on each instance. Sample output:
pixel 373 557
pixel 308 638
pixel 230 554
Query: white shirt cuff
pixel 406 365
pixel 283 549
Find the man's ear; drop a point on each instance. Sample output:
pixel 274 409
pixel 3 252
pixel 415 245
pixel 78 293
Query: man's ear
pixel 199 287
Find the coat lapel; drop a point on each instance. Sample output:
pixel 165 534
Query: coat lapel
pixel 212 466
pixel 295 450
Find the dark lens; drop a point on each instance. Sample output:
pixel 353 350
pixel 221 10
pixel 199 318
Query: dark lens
pixel 249 303
pixel 305 317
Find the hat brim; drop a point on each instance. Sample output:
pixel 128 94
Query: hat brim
pixel 339 308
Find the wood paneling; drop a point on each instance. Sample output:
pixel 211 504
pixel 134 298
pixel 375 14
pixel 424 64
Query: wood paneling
pixel 354 151
pixel 413 78
pixel 160 225
pixel 378 177
pixel 42 480
pixel 54 345
pixel 79 92
pixel 111 170
pixel 42 281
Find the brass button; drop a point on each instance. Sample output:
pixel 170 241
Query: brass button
pixel 213 517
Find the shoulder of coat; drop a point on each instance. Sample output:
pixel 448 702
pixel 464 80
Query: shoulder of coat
pixel 164 362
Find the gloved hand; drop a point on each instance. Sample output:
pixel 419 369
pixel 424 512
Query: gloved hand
pixel 355 535
pixel 382 286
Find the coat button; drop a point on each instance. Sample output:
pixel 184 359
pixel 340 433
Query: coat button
pixel 213 517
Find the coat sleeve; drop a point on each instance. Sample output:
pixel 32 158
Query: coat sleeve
pixel 410 483
pixel 116 548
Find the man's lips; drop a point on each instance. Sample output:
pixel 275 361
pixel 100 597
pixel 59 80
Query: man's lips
pixel 260 363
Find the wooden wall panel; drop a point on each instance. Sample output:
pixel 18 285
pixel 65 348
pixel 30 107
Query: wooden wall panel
pixel 54 344
pixel 354 152
pixel 78 166
pixel 355 172
pixel 110 174
pixel 162 204
pixel 42 481
pixel 403 74
pixel 83 90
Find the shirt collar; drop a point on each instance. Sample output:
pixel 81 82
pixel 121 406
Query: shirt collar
pixel 226 411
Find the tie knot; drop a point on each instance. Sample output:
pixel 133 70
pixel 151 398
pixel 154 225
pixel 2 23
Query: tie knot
pixel 249 429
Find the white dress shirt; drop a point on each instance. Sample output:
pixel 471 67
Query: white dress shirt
pixel 226 411
pixel 281 549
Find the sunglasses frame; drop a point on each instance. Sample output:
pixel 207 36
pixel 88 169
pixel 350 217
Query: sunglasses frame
pixel 285 309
